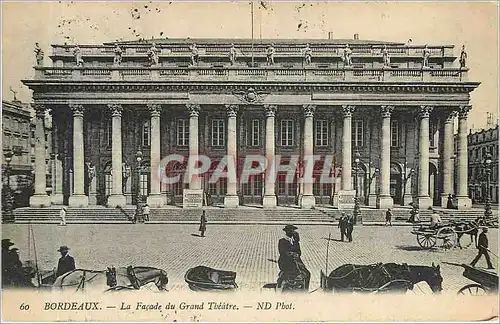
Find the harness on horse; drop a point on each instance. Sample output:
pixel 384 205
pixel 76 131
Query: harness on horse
pixel 136 283
pixel 111 277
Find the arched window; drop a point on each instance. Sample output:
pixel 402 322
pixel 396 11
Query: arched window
pixel 146 134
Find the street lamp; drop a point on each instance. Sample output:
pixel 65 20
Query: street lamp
pixel 356 211
pixel 138 200
pixel 487 205
pixel 9 199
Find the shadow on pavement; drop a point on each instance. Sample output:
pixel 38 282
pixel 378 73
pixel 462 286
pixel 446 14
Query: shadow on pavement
pixel 411 248
pixel 197 235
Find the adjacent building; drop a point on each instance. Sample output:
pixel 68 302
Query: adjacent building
pixel 393 103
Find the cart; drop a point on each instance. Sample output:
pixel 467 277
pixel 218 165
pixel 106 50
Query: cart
pixel 428 237
pixel 486 281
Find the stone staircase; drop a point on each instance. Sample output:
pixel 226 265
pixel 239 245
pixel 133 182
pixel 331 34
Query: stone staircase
pixel 242 215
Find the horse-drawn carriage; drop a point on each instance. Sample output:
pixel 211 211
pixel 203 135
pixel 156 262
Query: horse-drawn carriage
pixel 486 281
pixel 447 235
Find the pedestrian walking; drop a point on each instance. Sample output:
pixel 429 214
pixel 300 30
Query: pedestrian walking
pixel 203 224
pixel 342 226
pixel 388 217
pixel 145 212
pixel 62 215
pixel 482 248
pixel 349 227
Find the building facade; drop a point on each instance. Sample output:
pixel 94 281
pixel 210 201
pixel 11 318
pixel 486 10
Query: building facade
pixel 480 144
pixel 18 136
pixel 391 103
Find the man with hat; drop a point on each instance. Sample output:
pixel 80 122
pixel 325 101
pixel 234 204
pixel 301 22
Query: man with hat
pixel 342 226
pixel 66 262
pixel 290 252
pixel 482 247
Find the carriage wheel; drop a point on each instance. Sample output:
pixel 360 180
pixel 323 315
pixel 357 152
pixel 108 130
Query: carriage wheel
pixel 449 237
pixel 472 290
pixel 426 241
pixel 468 240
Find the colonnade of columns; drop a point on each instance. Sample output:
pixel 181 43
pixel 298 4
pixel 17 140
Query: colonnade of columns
pixel 384 200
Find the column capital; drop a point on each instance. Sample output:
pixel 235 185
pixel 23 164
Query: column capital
pixel 232 110
pixel 386 111
pixel 347 110
pixel 463 111
pixel 424 111
pixel 270 110
pixel 194 110
pixel 77 110
pixel 450 116
pixel 154 109
pixel 309 110
pixel 116 110
pixel 39 110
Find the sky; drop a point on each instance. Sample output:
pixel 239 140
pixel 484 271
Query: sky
pixel 474 24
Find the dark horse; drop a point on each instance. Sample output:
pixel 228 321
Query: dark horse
pixel 112 279
pixel 380 277
pixel 462 227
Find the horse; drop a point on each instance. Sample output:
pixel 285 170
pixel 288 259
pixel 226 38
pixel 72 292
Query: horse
pixel 112 279
pixel 462 227
pixel 388 277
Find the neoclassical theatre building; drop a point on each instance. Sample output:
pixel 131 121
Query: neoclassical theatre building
pixel 385 111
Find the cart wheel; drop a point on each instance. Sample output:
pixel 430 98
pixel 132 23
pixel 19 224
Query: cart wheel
pixel 472 290
pixel 449 237
pixel 426 241
pixel 468 241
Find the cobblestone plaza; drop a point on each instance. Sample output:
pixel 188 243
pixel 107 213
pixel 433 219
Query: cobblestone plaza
pixel 241 248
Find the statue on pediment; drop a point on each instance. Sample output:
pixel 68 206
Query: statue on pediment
pixel 118 55
pixel 463 57
pixel 77 52
pixel 307 55
pixel 90 171
pixel 127 171
pixel 385 56
pixel 232 54
pixel 38 54
pixel 270 54
pixel 153 55
pixel 347 55
pixel 195 55
pixel 426 53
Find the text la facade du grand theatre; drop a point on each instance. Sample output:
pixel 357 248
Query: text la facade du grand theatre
pixel 382 110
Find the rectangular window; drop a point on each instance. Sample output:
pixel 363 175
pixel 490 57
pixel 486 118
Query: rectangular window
pixel 108 136
pixel 182 132
pixel 394 133
pixel 146 134
pixel 254 133
pixel 218 132
pixel 144 184
pixel 321 133
pixel 108 183
pixel 432 131
pixel 357 133
pixel 287 132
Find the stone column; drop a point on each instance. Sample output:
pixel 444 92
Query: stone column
pixel 308 200
pixel 194 112
pixel 423 198
pixel 384 200
pixel 78 197
pixel 57 190
pixel 116 198
pixel 447 157
pixel 40 198
pixel 346 175
pixel 232 200
pixel 463 200
pixel 269 200
pixel 155 199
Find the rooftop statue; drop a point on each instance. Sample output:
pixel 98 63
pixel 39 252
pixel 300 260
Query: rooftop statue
pixel 232 54
pixel 78 56
pixel 118 55
pixel 385 56
pixel 347 55
pixel 38 54
pixel 307 55
pixel 463 57
pixel 153 55
pixel 270 54
pixel 194 55
pixel 426 54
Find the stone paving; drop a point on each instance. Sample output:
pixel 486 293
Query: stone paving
pixel 241 248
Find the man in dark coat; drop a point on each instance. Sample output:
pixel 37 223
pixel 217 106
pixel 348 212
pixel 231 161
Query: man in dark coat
pixel 482 247
pixel 342 226
pixel 290 252
pixel 203 224
pixel 349 227
pixel 66 262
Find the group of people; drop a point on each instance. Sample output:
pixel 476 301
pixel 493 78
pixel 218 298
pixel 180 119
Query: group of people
pixel 346 225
